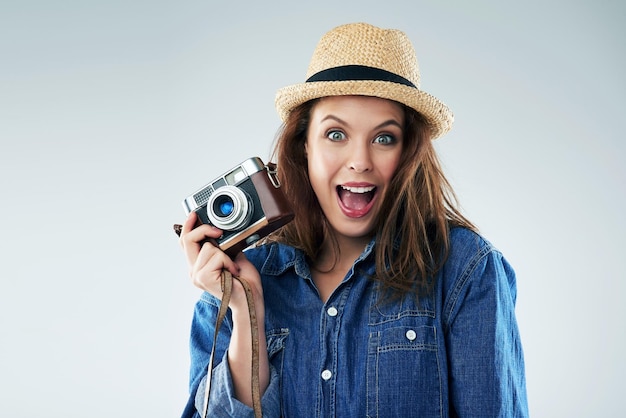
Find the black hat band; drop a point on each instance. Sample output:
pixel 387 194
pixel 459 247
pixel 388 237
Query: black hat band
pixel 358 72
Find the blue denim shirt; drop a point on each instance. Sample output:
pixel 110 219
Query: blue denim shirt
pixel 455 353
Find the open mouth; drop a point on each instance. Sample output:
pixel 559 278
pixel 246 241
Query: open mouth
pixel 356 200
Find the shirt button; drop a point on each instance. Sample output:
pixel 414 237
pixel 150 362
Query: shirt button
pixel 332 311
pixel 411 335
pixel 327 374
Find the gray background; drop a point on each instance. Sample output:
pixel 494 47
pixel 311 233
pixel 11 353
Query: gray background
pixel 111 112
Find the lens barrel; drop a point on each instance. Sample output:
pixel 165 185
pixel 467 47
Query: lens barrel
pixel 229 208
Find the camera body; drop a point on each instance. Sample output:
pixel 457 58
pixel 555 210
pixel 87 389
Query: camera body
pixel 246 203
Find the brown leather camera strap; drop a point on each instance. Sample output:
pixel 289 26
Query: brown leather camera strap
pixel 227 286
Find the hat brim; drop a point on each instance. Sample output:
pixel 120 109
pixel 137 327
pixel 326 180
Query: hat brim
pixel 438 115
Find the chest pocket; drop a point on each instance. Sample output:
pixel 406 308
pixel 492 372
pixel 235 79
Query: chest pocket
pixel 403 366
pixel 275 348
pixel 276 340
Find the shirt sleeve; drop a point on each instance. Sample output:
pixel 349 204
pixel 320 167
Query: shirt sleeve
pixel 485 358
pixel 222 402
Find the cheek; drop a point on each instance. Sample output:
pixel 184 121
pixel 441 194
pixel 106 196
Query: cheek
pixel 389 167
pixel 322 160
pixel 322 167
pixel 313 168
pixel 317 171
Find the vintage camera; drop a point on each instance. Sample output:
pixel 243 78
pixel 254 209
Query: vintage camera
pixel 246 203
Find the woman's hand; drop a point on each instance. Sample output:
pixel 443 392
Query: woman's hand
pixel 206 262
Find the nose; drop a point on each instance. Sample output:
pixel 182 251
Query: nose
pixel 360 159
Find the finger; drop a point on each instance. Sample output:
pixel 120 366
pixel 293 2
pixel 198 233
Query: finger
pixel 214 258
pixel 187 226
pixel 208 267
pixel 192 233
pixel 193 240
pixel 190 223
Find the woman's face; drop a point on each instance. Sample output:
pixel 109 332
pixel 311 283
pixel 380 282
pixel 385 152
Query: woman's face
pixel 353 148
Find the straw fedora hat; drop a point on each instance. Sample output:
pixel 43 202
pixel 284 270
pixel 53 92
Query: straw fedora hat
pixel 361 59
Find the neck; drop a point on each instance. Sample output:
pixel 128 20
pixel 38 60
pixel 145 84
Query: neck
pixel 349 250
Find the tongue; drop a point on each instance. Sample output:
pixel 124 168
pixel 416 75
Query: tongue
pixel 356 201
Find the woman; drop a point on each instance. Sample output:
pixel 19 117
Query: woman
pixel 380 298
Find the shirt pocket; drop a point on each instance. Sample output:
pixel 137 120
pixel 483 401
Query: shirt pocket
pixel 275 348
pixel 403 371
pixel 276 340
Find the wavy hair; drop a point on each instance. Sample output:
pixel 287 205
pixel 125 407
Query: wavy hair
pixel 412 239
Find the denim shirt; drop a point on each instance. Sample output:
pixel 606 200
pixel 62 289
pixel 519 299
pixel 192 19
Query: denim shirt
pixel 455 353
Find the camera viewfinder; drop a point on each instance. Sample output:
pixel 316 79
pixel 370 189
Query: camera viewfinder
pixel 235 176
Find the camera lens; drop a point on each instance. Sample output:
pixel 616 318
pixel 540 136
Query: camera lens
pixel 229 208
pixel 223 206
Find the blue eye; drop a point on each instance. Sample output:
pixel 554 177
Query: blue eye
pixel 336 136
pixel 385 139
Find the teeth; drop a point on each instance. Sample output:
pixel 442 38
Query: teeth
pixel 358 189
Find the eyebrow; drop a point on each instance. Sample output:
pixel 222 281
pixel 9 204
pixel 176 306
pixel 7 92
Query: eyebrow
pixel 390 122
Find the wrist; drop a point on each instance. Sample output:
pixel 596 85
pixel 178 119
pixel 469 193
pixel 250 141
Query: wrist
pixel 241 313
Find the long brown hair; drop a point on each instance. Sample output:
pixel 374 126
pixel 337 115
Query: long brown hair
pixel 412 239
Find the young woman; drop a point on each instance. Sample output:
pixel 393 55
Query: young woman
pixel 380 299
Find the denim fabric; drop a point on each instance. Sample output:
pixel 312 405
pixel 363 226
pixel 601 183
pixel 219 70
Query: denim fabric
pixel 456 353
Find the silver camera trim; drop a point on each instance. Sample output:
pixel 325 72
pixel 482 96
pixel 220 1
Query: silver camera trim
pixel 240 214
pixel 203 194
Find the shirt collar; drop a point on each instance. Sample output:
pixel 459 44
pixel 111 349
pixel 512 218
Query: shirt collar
pixel 282 257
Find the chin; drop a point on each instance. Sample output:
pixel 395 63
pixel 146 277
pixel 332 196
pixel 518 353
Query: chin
pixel 354 230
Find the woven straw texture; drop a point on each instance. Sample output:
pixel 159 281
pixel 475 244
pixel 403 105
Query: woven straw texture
pixel 370 46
